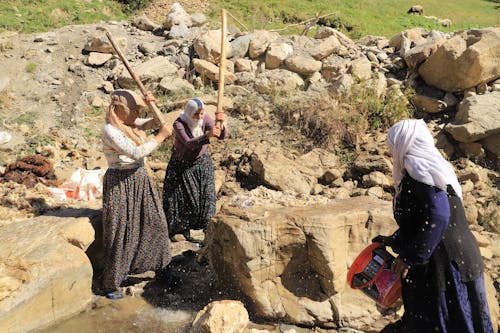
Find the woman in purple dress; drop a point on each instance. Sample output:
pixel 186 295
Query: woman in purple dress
pixel 438 257
pixel 189 196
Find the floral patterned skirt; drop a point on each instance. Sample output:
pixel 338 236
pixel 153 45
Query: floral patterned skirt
pixel 135 230
pixel 189 197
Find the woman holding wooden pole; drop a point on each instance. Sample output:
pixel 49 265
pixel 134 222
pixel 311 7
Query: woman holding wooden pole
pixel 189 197
pixel 135 230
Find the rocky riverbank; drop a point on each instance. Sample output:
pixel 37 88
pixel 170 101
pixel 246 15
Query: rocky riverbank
pixel 294 145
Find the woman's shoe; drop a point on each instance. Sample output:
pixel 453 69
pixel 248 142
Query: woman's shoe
pixel 117 294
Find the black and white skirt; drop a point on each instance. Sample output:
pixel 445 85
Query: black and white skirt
pixel 135 230
pixel 189 197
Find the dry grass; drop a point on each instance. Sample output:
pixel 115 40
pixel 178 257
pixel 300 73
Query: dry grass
pixel 6 44
pixel 324 119
pixel 4 99
pixel 339 121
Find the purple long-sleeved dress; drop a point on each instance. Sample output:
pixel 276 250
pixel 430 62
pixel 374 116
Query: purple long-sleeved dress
pixel 444 290
pixel 189 198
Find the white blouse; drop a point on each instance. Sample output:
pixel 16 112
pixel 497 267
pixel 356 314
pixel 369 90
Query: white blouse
pixel 121 152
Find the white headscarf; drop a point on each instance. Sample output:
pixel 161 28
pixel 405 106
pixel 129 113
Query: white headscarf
pixel 412 147
pixel 195 126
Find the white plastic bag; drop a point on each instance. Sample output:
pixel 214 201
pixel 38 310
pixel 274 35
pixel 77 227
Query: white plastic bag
pixel 84 185
pixel 58 193
pixel 5 137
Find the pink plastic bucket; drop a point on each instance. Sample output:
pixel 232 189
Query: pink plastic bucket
pixel 371 273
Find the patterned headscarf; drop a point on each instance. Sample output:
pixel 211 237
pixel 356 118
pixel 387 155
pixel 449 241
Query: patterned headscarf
pixel 191 107
pixel 413 151
pixel 128 101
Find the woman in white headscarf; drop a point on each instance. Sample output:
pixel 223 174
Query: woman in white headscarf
pixel 189 197
pixel 438 257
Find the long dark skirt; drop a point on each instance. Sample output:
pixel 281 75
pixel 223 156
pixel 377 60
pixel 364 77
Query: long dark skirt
pixel 135 230
pixel 460 308
pixel 189 194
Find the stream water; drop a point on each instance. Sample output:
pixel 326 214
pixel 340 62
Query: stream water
pixel 128 315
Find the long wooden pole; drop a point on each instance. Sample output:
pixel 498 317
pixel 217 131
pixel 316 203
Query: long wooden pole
pixel 152 106
pixel 222 66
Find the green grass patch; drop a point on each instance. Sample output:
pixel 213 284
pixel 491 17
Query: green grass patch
pixel 131 6
pixel 30 67
pixel 36 142
pixel 380 112
pixel 42 15
pixel 359 18
pixel 94 111
pixel 28 118
pixel 91 133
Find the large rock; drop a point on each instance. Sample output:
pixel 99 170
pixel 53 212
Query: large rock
pixel 464 61
pixel 207 46
pixel 177 84
pixel 413 36
pixel 334 67
pixel 270 167
pixel 239 47
pixel 211 71
pixel 325 32
pixel 418 54
pixel 343 84
pixel 277 79
pixel 277 53
pixel 325 48
pixel 361 68
pixel 492 144
pixel 176 16
pixel 44 272
pixel 259 41
pixel 151 71
pixel 303 64
pixel 244 65
pixel 97 59
pixel 429 104
pixel 478 117
pixel 144 23
pixel 221 317
pixel 179 31
pixel 199 19
pixel 102 45
pixel 292 262
pixel 366 163
pixel 323 164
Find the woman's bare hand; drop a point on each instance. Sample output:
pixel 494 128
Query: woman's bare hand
pixel 400 268
pixel 215 131
pixel 164 133
pixel 150 98
pixel 219 116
